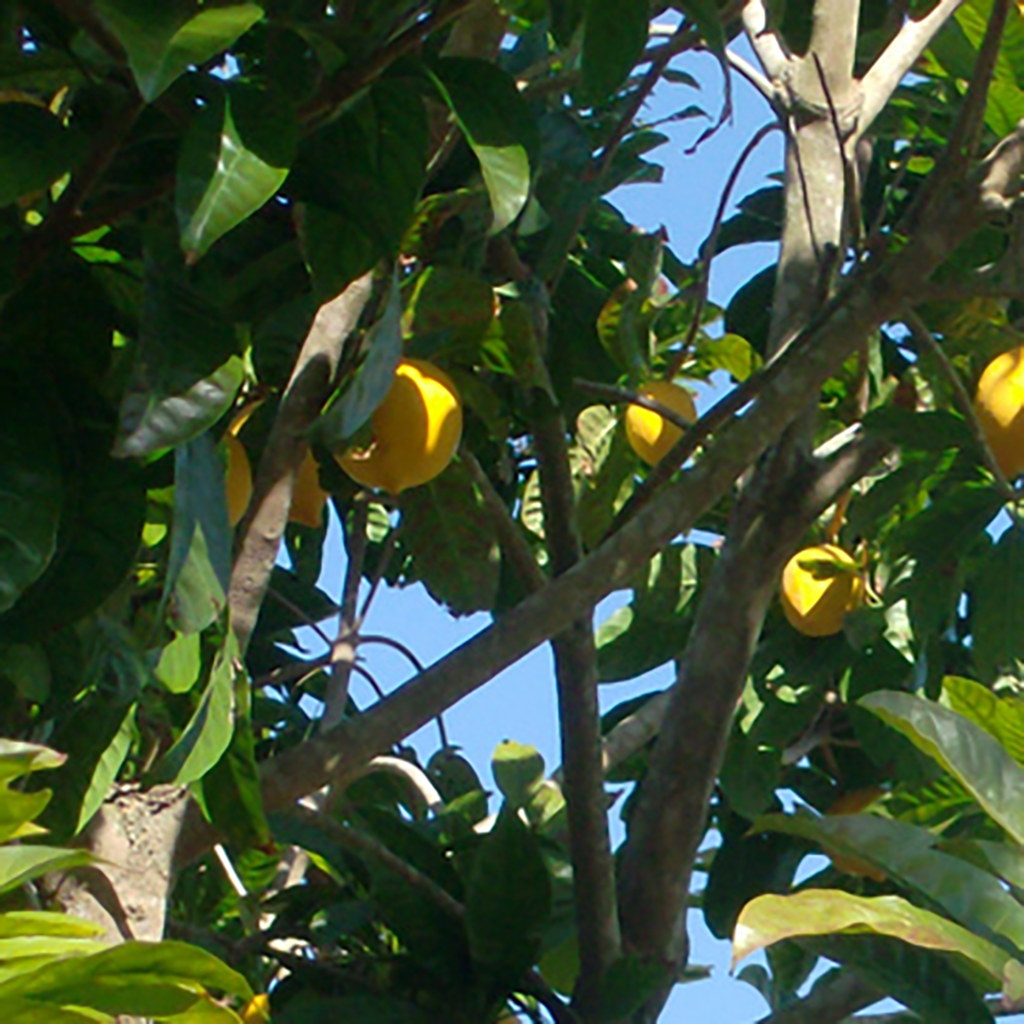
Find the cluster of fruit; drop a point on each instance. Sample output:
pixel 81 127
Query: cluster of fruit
pixel 417 428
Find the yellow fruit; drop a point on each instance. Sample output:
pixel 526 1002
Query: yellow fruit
pixel 651 436
pixel 257 1010
pixel 416 430
pixel 308 498
pixel 854 802
pixel 819 586
pixel 238 479
pixel 999 404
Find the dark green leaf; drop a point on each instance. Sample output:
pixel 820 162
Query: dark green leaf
pixel 99 531
pixel 31 485
pixel 235 156
pixel 925 431
pixel 163 41
pixel 997 607
pixel 614 36
pixel 199 562
pixel 451 536
pixel 498 126
pixel 353 406
pixel 367 168
pixel 918 978
pixel 37 150
pixel 963 749
pixel 311 1008
pixel 705 15
pixel 508 900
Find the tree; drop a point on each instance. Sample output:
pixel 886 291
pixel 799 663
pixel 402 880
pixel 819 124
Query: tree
pixel 230 220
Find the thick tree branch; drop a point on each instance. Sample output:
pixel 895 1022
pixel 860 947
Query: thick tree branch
pixel 765 41
pixel 832 999
pixel 261 530
pixel 834 42
pixel 597 921
pixel 893 63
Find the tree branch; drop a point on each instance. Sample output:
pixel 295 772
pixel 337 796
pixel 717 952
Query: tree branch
pixel 833 999
pixel 597 921
pixel 261 530
pixel 771 51
pixel 834 43
pixel 893 63
pixel 343 649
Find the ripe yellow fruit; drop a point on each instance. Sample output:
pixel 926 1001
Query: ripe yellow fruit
pixel 308 498
pixel 999 405
pixel 651 436
pixel 416 430
pixel 238 479
pixel 819 586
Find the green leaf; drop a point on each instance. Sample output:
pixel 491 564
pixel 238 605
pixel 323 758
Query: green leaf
pixel 933 431
pixel 906 853
pixel 451 536
pixel 37 150
pixel 199 562
pixel 100 527
pixel 162 41
pixel 234 158
pixel 963 749
pixel 46 922
pixel 153 422
pixel 628 984
pixel 20 864
pixel 231 789
pixel 997 611
pixel 517 770
pixel 31 486
pixel 312 1008
pixel 211 727
pixel 134 978
pixel 1001 717
pixel 180 663
pixel 107 767
pixel 919 978
pixel 498 127
pixel 705 15
pixel 940 533
pixel 769 919
pixel 508 899
pixel 353 406
pixel 367 168
pixel 731 353
pixel 446 298
pixel 614 37
pixel 183 377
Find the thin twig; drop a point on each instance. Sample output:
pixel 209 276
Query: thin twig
pixel 390 541
pixel 370 678
pixel 351 80
pixel 625 395
pixel 397 645
pixel 710 249
pixel 299 613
